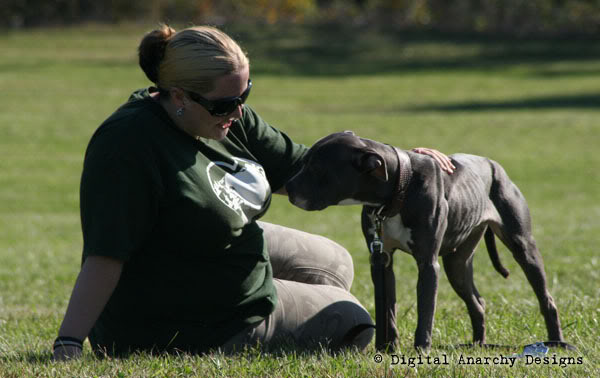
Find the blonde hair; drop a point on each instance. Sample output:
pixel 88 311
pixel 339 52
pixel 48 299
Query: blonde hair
pixel 191 59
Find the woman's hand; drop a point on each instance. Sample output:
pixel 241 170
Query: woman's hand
pixel 441 159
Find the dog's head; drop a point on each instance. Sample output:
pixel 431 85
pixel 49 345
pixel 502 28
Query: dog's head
pixel 340 169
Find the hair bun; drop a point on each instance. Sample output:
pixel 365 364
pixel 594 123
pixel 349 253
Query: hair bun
pixel 152 50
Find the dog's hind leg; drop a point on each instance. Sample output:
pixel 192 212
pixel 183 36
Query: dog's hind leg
pixel 526 253
pixel 514 229
pixel 459 270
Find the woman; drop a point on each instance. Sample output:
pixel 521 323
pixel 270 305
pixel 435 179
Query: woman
pixel 172 186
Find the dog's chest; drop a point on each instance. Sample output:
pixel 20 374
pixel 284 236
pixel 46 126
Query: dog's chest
pixel 396 235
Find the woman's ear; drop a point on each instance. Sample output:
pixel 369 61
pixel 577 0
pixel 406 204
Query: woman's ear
pixel 178 97
pixel 373 164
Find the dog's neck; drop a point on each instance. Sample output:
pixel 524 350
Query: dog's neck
pixel 401 173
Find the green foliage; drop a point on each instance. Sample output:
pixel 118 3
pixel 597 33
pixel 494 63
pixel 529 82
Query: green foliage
pixel 517 16
pixel 532 105
pixel 512 17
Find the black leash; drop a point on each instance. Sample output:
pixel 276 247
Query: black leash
pixel 382 273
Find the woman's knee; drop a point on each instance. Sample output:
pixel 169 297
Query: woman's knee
pixel 339 261
pixel 303 257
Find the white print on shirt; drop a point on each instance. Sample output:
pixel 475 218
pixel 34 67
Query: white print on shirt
pixel 244 187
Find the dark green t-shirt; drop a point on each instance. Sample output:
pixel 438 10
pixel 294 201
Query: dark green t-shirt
pixel 181 214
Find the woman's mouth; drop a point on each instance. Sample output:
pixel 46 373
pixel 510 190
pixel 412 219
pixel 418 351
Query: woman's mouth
pixel 225 125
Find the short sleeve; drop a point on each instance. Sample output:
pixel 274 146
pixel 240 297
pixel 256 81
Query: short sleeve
pixel 118 202
pixel 275 151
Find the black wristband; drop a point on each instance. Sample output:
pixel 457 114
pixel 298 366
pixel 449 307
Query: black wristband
pixel 63 341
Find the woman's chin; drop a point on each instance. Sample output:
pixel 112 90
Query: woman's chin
pixel 221 133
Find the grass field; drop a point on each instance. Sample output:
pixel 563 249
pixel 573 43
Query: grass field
pixel 532 105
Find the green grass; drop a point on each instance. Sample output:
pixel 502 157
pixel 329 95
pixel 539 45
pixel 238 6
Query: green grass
pixel 533 106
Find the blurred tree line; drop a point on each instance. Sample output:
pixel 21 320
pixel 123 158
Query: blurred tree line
pixel 512 17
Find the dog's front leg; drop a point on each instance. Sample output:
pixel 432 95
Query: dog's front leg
pixel 426 249
pixel 426 299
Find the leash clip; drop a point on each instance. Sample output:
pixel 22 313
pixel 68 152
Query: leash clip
pixel 378 255
pixel 376 246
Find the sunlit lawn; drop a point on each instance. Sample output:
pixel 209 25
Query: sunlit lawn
pixel 534 106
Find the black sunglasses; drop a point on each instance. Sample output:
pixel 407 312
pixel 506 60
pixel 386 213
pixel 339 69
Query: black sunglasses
pixel 222 106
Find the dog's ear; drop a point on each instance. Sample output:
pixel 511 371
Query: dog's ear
pixel 372 163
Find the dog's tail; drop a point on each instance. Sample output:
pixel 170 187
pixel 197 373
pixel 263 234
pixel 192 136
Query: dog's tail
pixel 490 243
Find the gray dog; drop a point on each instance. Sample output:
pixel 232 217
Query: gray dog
pixel 410 204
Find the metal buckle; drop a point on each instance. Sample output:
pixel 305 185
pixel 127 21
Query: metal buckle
pixel 384 256
pixel 376 246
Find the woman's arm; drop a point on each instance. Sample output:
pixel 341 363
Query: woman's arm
pixel 96 282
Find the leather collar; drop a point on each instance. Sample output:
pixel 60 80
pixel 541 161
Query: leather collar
pixel 396 201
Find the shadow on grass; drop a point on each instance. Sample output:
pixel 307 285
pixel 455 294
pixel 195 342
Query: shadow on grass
pixel 334 50
pixel 345 50
pixel 580 101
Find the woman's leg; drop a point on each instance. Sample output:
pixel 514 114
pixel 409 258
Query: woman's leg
pixel 312 275
pixel 302 257
pixel 309 317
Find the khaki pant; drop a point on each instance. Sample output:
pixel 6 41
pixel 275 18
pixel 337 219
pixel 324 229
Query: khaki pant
pixel 313 276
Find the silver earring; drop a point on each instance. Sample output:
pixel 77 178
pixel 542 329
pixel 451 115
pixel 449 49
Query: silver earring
pixel 180 111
